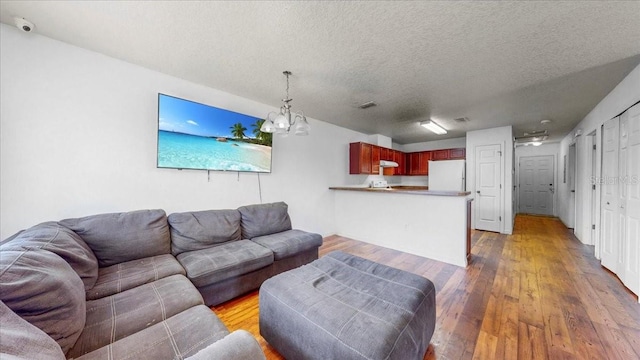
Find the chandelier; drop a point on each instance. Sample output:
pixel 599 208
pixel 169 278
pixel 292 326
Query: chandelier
pixel 281 123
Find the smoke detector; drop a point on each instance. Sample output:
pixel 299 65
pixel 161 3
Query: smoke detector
pixel 462 119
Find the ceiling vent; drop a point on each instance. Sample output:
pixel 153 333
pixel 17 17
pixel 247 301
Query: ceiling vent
pixel 367 105
pixel 462 120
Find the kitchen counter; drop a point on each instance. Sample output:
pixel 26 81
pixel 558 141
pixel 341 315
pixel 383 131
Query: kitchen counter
pixel 407 219
pixel 403 189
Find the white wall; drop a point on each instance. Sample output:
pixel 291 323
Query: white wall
pixel 500 135
pixel 433 145
pixel 542 150
pixel 78 137
pixel 623 96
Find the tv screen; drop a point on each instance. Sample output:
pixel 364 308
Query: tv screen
pixel 203 137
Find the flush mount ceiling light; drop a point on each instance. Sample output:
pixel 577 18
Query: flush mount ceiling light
pixel 545 121
pixel 433 127
pixel 367 105
pixel 281 123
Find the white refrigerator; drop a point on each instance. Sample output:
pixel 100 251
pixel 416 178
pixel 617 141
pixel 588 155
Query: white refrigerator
pixel 447 175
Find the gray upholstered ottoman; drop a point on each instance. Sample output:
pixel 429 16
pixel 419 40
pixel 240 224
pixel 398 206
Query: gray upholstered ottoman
pixel 345 307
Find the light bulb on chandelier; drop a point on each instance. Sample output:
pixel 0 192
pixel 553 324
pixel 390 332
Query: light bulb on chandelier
pixel 282 122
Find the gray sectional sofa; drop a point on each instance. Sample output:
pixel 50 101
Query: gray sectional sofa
pixel 137 285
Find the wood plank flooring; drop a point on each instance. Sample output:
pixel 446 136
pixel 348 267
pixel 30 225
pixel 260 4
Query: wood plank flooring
pixel 536 294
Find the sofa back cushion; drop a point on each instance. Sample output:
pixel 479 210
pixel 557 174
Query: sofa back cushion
pixel 120 237
pixel 62 242
pixel 21 340
pixel 43 289
pixel 199 230
pixel 264 219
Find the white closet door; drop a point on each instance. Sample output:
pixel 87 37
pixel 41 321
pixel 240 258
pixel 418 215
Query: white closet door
pixel 631 182
pixel 609 239
pixel 622 195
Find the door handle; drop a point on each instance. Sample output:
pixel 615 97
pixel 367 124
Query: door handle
pixel 478 191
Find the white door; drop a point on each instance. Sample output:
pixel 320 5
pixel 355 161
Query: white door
pixel 609 190
pixel 488 187
pixel 536 185
pixel 632 206
pixel 571 183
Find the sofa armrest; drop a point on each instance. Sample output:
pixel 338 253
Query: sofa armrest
pixel 239 345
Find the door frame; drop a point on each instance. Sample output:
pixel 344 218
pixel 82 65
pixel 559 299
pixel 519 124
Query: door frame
pixel 588 193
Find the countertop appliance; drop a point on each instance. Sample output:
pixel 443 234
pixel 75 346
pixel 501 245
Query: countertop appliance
pixel 447 175
pixel 379 184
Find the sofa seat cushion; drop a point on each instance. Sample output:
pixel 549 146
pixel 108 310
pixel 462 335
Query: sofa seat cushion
pixel 120 237
pixel 198 230
pixel 63 242
pixel 264 219
pixel 127 275
pixel 239 345
pixel 43 289
pixel 115 317
pixel 178 337
pixel 208 266
pixel 288 243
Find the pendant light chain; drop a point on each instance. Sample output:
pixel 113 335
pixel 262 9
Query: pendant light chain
pixel 287 73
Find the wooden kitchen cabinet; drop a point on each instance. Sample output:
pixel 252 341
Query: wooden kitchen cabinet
pixel 399 157
pixel 413 163
pixel 418 163
pixel 425 156
pixel 360 158
pixel 457 154
pixel 442 154
pixel 375 159
pixel 449 154
pixel 365 159
pixel 386 154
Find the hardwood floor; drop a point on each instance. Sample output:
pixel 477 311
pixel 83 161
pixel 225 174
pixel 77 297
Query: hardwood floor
pixel 536 294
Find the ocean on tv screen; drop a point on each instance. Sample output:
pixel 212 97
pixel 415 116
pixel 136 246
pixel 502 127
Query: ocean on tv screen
pixel 183 151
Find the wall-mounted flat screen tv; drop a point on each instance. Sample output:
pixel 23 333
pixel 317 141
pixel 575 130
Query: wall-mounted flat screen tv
pixel 203 137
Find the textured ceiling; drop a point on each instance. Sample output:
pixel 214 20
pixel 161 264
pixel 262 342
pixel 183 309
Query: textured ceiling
pixel 497 63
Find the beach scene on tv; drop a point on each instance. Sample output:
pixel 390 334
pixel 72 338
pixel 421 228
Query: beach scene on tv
pixel 198 136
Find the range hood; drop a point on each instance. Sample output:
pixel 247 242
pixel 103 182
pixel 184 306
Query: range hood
pixel 388 164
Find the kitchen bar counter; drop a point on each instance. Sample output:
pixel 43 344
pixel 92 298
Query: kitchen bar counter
pixel 403 189
pixel 407 219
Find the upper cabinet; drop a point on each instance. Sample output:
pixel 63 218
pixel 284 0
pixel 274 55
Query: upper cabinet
pixel 449 154
pixel 443 154
pixel 418 163
pixel 457 154
pixel 360 158
pixel 365 159
pixel 400 158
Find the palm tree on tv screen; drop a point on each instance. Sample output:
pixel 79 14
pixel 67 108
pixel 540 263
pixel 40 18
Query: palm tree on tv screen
pixel 237 130
pixel 263 138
